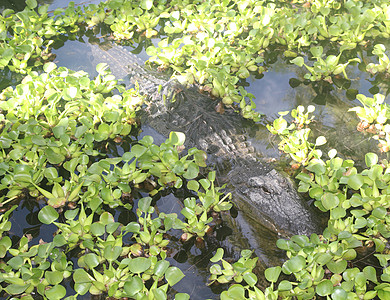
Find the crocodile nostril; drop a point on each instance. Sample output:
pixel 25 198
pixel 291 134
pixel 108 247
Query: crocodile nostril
pixel 212 149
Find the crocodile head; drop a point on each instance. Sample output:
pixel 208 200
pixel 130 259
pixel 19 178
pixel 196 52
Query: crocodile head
pixel 267 197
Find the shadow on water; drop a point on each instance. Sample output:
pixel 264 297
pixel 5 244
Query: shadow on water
pixel 282 88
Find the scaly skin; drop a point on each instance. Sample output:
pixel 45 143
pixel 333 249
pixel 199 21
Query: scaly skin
pixel 263 194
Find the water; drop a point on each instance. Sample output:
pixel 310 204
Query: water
pixel 273 94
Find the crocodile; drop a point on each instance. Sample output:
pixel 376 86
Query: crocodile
pixel 259 191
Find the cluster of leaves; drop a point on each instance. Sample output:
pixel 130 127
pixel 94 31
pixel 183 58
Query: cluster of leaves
pixel 52 124
pixel 295 137
pixel 325 69
pixel 240 271
pixel 215 45
pixel 26 36
pixel 196 212
pixel 383 65
pixel 55 119
pixel 374 116
pixel 218 45
pixel 358 209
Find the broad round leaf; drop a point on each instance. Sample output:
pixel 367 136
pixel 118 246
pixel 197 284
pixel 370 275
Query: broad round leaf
pixel 285 285
pixel 329 200
pixel 91 259
pixel 296 263
pixel 236 291
pixel 250 278
pixel 173 275
pixel 14 289
pixel 133 286
pixel 111 253
pixel 272 274
pixel 371 159
pixel 139 264
pixel 47 215
pixel 159 294
pixel 339 294
pixel 337 267
pixel 31 4
pixel 144 204
pixel 177 138
pixel 321 140
pixel 54 277
pixel 81 276
pixel 182 296
pixel 161 267
pixel 56 292
pixel 324 288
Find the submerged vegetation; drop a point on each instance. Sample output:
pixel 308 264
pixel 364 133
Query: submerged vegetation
pixel 60 130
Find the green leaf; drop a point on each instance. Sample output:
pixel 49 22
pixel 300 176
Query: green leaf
pixel 324 288
pixel 284 285
pixel 161 267
pixel 91 260
pixel 138 150
pixel 133 286
pixel 192 171
pixel 324 258
pixel 139 264
pixel 132 227
pixel 38 140
pixel 371 159
pixel 316 51
pixel 236 291
pixel 47 215
pixel 81 276
pixel 299 61
pixel 54 277
pixel 272 274
pixel 146 4
pixel 144 203
pixel 193 185
pixel 14 289
pixel 218 255
pixel 59 241
pixel 173 275
pixel 16 262
pixel 177 138
pixel 182 296
pixel 111 253
pixel 379 212
pixel 355 181
pixel 31 4
pixel 321 140
pixel 48 67
pixel 337 267
pixel 296 263
pixel 329 201
pixel 339 294
pixel 54 157
pixel 250 278
pixel 100 68
pixel 370 273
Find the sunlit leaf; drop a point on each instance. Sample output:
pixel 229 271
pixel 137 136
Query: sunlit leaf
pixel 47 215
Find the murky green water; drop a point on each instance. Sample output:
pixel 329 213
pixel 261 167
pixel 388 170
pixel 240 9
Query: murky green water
pixel 274 93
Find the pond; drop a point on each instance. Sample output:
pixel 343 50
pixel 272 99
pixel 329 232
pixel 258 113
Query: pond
pixel 283 87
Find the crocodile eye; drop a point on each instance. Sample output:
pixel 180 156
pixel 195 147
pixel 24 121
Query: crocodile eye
pixel 265 189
